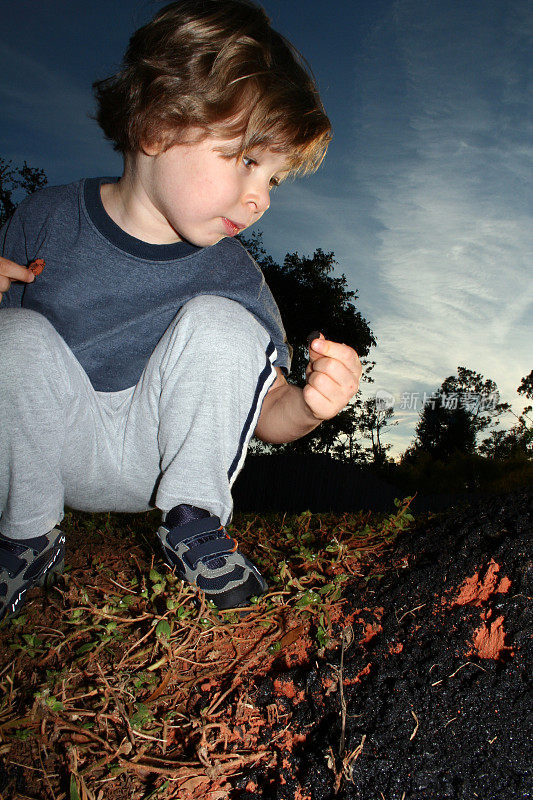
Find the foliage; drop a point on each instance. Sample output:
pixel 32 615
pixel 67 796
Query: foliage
pixel 443 431
pixel 479 396
pixel 517 442
pixel 134 674
pixel 509 444
pixel 311 297
pixel 15 181
pixel 347 446
pixel 526 386
pixel 374 418
pixel 451 419
pixel 511 475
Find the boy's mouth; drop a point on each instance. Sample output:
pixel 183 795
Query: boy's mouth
pixel 232 228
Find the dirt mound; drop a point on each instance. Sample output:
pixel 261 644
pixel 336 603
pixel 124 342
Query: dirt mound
pixel 429 697
pixel 410 681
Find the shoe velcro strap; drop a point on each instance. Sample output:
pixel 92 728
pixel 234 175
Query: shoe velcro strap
pixel 212 548
pixel 11 562
pixel 193 528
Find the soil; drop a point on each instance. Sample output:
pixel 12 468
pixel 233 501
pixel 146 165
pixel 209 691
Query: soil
pixel 437 681
pixel 424 691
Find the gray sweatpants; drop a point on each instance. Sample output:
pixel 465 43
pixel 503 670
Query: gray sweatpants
pixel 179 436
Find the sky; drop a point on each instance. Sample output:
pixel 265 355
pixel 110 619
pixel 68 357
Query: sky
pixel 425 194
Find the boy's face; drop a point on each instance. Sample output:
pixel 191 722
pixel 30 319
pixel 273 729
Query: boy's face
pixel 192 192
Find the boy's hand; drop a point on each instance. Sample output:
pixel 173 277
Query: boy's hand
pixel 333 376
pixel 9 272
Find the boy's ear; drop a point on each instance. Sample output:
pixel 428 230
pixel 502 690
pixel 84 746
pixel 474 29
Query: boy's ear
pixel 151 148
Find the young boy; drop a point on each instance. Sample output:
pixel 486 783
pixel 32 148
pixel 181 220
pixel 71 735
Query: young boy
pixel 136 368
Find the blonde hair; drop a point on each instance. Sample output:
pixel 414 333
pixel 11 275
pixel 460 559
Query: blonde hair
pixel 216 65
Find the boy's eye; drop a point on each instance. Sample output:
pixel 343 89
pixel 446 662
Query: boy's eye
pixel 251 162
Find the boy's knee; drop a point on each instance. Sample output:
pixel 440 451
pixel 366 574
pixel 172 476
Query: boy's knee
pixel 27 338
pixel 19 326
pixel 219 318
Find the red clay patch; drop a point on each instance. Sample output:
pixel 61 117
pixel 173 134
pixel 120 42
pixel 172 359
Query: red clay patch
pixel 489 639
pixel 476 591
pixel 287 689
pixel 370 632
pixel 359 676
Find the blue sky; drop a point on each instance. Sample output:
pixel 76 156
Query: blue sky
pixel 425 194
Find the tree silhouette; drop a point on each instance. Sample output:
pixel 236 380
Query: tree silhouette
pixel 452 418
pixel 348 444
pixel 373 419
pixel 526 386
pixel 477 395
pixel 15 183
pixel 517 442
pixel 310 297
pixel 444 431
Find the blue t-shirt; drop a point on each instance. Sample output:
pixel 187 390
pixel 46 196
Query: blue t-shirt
pixel 111 296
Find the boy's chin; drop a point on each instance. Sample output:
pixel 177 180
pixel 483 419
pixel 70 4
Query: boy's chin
pixel 207 240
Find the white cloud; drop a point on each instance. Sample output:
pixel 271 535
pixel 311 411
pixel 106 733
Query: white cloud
pixel 454 258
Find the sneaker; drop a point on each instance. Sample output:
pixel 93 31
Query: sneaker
pixel 25 563
pixel 202 553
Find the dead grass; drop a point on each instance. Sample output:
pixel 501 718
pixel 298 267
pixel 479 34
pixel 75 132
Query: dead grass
pixel 125 683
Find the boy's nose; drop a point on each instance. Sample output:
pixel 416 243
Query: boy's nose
pixel 258 200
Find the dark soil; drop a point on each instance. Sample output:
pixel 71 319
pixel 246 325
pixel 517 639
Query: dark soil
pixel 423 693
pixel 436 682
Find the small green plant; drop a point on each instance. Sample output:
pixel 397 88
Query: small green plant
pixel 163 630
pixel 133 650
pixel 74 794
pixel 142 718
pixel 48 700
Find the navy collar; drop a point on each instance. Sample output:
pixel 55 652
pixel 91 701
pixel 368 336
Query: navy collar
pixel 114 234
